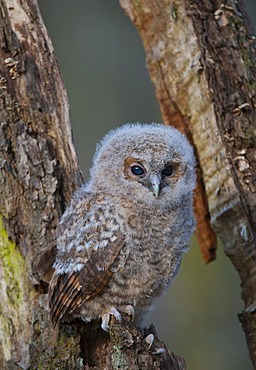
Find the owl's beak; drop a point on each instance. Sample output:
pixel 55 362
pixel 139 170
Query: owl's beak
pixel 155 182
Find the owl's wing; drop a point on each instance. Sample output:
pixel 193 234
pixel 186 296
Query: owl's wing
pixel 68 291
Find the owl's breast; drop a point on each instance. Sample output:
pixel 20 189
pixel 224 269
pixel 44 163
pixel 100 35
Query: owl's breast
pixel 151 256
pixel 143 273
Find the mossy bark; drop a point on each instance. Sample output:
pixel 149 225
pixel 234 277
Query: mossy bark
pixel 16 297
pixel 39 172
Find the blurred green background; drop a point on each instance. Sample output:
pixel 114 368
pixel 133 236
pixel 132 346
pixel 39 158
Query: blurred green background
pixel 103 65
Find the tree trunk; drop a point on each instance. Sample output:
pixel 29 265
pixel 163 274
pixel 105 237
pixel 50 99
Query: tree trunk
pixel 39 172
pixel 201 58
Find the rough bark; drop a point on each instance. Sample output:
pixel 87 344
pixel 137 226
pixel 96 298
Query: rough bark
pixel 39 172
pixel 201 58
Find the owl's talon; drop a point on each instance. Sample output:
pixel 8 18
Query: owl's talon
pixel 149 340
pixel 159 351
pixel 104 323
pixel 106 318
pixel 129 310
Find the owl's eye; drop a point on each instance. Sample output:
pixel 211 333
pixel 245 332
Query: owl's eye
pixel 137 170
pixel 167 171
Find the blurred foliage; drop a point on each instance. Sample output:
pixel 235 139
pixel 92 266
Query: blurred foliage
pixel 103 64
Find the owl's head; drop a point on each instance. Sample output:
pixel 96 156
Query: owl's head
pixel 149 163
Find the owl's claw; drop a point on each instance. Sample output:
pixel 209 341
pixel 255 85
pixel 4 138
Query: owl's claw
pixel 158 351
pixel 129 310
pixel 106 318
pixel 150 340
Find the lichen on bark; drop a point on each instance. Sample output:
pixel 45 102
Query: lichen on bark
pixel 16 303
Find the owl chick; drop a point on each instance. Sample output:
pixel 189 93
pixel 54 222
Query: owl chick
pixel 121 240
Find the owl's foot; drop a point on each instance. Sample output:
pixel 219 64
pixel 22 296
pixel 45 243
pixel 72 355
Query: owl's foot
pixel 150 340
pixel 106 318
pixel 158 351
pixel 129 310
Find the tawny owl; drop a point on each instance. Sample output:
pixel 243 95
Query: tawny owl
pixel 121 240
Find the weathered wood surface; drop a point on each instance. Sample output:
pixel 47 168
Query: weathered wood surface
pixel 39 172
